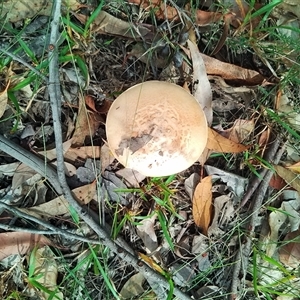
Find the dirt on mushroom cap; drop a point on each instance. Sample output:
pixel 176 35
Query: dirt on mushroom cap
pixel 156 128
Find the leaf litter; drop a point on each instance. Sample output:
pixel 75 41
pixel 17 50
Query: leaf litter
pixel 196 213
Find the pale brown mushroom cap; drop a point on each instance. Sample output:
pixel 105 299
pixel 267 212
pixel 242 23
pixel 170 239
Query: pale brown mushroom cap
pixel 156 128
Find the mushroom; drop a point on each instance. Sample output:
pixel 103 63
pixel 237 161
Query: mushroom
pixel 156 128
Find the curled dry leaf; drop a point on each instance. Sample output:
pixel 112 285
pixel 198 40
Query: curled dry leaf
pixel 202 89
pixel 289 253
pixel 190 184
pixel 86 124
pixel 89 101
pixel 228 71
pixel 202 204
pixel 218 143
pixel 151 263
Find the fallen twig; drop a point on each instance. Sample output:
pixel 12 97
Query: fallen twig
pixel 253 187
pixel 51 229
pixel 242 257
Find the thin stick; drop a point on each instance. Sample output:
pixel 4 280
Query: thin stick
pixel 55 102
pixel 53 230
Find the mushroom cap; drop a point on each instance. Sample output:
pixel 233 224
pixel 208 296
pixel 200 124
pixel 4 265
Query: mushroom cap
pixel 156 128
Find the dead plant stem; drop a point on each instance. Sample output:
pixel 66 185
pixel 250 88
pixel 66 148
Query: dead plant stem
pixel 55 102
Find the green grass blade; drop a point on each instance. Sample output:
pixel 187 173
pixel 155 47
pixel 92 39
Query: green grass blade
pixel 163 223
pixel 70 24
pixel 277 118
pixel 266 8
pixel 104 274
pixel 92 18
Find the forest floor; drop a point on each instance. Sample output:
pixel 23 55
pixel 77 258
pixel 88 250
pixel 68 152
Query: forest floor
pixel 75 224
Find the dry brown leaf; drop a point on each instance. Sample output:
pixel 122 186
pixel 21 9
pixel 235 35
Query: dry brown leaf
pixel 20 242
pixel 295 168
pixel 240 130
pixel 24 173
pixel 289 254
pixel 60 206
pixel 202 204
pixel 51 154
pixel 277 182
pixel 86 124
pixel 204 18
pixel 104 108
pixel 108 24
pixel 89 101
pixel 201 86
pixel 151 263
pixel 289 177
pixel 218 143
pixel 264 137
pixel 163 11
pixel 228 71
pixel 132 177
pixel 16 10
pixel 82 153
pixel 3 99
pixel 133 287
pixel 106 157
